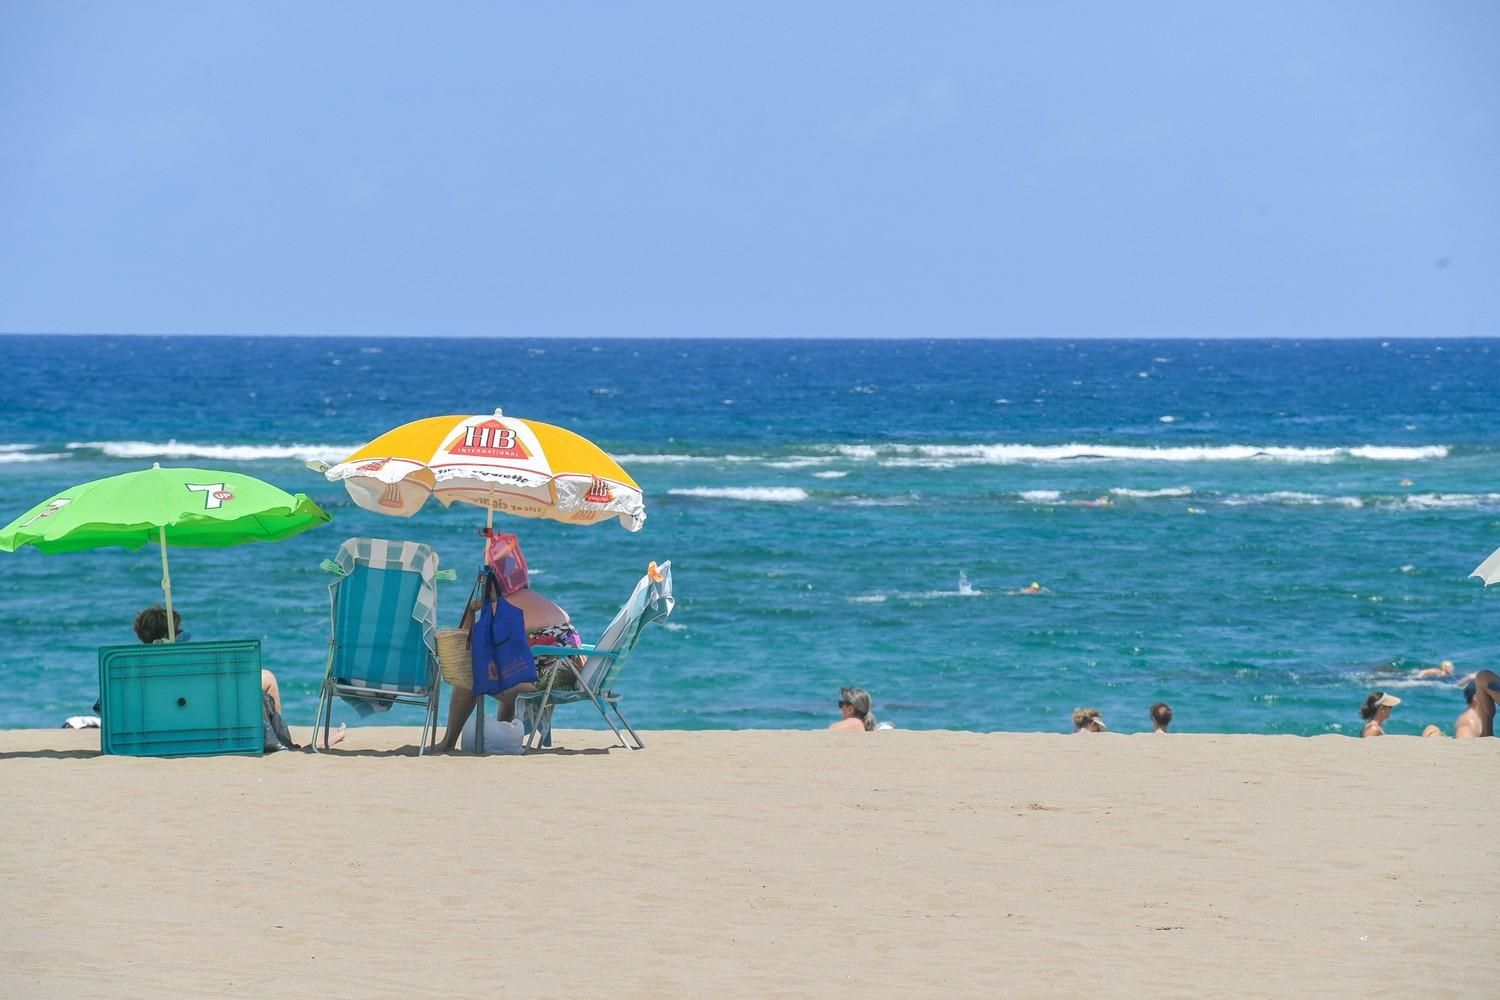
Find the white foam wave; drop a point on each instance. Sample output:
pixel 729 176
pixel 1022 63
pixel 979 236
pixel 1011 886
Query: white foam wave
pixel 771 494
pixel 830 474
pixel 664 459
pixel 18 457
pixel 1294 498
pixel 947 456
pixel 901 501
pixel 221 452
pixel 798 462
pixel 1166 491
pixel 1041 496
pixel 16 447
pixel 1450 501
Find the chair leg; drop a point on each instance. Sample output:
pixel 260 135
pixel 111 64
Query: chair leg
pixel 599 704
pixel 318 719
pixel 640 744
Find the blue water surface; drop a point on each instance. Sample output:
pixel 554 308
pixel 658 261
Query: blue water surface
pixel 1258 532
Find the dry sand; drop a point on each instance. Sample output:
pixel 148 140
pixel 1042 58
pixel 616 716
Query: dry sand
pixel 754 863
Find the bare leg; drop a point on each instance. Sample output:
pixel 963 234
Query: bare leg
pixel 460 705
pixel 269 686
pixel 335 737
pixel 508 701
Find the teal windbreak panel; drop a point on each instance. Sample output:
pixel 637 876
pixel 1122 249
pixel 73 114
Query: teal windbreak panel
pixel 181 699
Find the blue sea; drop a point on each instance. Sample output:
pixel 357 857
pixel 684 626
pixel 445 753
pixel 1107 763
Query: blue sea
pixel 1257 532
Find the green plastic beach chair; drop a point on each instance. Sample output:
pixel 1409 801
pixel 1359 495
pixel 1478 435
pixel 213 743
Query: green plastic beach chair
pixel 381 647
pixel 594 681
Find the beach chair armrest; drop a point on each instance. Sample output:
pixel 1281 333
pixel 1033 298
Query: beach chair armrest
pixel 585 650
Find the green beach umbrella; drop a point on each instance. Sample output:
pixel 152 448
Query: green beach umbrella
pixel 196 508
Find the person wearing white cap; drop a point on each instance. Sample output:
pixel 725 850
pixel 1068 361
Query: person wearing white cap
pixel 1375 710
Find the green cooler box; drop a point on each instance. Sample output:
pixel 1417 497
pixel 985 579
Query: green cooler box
pixel 182 699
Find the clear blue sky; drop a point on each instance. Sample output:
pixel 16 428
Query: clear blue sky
pixel 751 169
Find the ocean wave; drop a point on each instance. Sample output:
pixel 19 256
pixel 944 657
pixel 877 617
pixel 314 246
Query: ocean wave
pixel 1294 498
pixel 1449 501
pixel 17 457
pixel 771 494
pixel 1166 491
pixel 1041 496
pixel 830 474
pixel 948 456
pixel 665 459
pixel 220 452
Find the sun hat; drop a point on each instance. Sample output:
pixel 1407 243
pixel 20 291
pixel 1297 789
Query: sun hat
pixel 1388 701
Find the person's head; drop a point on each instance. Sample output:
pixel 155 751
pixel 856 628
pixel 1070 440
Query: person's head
pixel 1088 719
pixel 1446 667
pixel 1469 690
pixel 503 558
pixel 1378 706
pixel 855 703
pixel 151 624
pixel 1161 715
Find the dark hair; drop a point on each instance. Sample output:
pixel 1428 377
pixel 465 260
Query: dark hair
pixel 151 624
pixel 1371 705
pixel 1161 713
pixel 1469 690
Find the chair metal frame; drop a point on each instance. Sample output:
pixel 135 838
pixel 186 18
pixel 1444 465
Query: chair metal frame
pixel 603 665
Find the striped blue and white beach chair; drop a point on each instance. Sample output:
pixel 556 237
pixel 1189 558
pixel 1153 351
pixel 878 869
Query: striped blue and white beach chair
pixel 381 646
pixel 594 681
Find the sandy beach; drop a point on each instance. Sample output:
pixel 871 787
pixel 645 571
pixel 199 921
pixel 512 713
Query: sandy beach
pixel 755 863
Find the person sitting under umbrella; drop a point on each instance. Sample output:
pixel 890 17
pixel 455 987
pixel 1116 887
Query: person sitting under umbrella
pixel 151 627
pixel 546 624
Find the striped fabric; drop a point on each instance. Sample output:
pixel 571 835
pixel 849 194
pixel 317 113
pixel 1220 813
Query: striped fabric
pixel 384 615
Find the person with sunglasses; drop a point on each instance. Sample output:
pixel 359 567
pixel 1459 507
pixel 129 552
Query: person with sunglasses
pixel 854 708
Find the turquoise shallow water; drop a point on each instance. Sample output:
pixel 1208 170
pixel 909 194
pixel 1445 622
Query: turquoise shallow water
pixel 1287 525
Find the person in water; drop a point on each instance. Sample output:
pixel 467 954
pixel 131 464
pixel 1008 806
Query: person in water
pixel 854 711
pixel 1442 671
pixel 546 624
pixel 1375 710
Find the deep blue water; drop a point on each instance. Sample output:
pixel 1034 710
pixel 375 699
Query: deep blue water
pixel 1288 525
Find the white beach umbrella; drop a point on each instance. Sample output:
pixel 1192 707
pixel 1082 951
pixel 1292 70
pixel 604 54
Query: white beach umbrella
pixel 1489 570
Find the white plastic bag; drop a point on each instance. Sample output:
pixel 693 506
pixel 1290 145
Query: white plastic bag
pixel 499 737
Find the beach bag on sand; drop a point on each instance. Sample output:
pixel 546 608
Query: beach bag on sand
pixel 278 737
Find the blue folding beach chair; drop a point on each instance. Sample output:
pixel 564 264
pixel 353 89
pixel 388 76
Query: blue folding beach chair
pixel 594 681
pixel 381 647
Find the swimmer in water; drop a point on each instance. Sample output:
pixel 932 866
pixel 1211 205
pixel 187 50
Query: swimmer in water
pixel 1032 588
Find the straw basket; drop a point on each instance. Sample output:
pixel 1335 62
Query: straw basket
pixel 453 657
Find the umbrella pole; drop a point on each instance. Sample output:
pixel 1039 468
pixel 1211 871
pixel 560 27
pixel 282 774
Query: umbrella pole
pixel 479 708
pixel 166 584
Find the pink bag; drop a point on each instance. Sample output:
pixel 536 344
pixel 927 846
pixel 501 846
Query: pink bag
pixel 502 554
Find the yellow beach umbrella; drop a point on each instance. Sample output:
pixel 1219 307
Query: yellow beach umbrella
pixel 500 463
